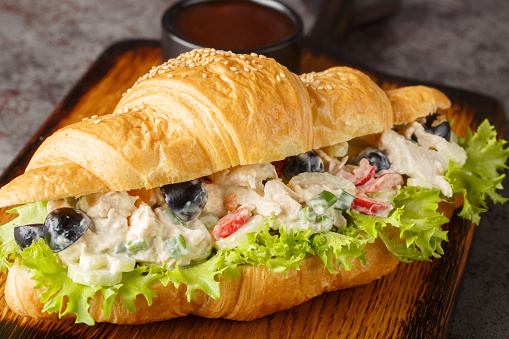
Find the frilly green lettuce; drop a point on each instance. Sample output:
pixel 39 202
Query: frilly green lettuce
pixel 479 178
pixel 412 231
pixel 33 213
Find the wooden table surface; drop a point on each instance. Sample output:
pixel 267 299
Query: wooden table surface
pixel 414 301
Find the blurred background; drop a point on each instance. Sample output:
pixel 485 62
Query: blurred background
pixel 46 47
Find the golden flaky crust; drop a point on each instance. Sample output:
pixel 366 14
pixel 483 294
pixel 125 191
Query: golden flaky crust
pixel 255 294
pixel 201 113
pixel 410 103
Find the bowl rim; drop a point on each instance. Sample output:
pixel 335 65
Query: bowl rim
pixel 170 32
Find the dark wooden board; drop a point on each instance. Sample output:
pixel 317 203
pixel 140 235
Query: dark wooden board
pixel 415 301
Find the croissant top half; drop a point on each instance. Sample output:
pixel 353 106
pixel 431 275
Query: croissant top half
pixel 208 110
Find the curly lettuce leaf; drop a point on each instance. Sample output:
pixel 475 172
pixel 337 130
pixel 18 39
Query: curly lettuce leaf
pixel 279 252
pixel 197 277
pixel 33 213
pixel 479 178
pixel 336 250
pixel 413 229
pixel 51 277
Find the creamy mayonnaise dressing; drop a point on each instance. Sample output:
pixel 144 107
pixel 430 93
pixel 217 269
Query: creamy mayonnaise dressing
pixel 116 220
pixel 426 160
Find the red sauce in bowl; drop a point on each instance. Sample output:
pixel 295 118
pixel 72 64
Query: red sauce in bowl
pixel 233 25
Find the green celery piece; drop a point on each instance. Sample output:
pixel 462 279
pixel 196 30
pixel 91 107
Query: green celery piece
pixel 323 201
pixel 344 201
pixel 307 214
pixel 177 246
pixel 173 217
pixel 134 246
pixel 209 220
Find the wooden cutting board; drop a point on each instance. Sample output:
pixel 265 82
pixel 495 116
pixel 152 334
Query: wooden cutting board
pixel 415 301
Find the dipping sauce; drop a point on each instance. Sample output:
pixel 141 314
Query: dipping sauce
pixel 233 25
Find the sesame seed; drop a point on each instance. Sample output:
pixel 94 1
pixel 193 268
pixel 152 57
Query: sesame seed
pixel 282 74
pixel 98 121
pixel 254 54
pixel 329 87
pixel 241 56
pixel 217 59
pixel 233 68
pixel 262 56
pixel 348 123
pixel 170 75
pixel 320 87
pixel 246 69
pixel 184 75
pixel 278 77
pixel 226 62
pixel 204 75
pixel 237 72
pixel 94 116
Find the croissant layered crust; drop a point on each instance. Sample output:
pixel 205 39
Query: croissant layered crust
pixel 205 112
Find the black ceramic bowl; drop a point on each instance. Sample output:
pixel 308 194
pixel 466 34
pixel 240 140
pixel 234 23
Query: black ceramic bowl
pixel 285 50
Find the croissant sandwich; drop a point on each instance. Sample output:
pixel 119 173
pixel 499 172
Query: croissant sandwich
pixel 224 185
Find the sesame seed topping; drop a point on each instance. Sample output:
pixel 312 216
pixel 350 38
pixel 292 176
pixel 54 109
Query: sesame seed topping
pixel 246 69
pixel 329 87
pixel 262 56
pixel 320 87
pixel 204 75
pixel 278 77
pixel 348 123
pixel 184 75
pixel 170 75
pixel 254 54
pixel 282 74
pixel 94 116
pixel 233 68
